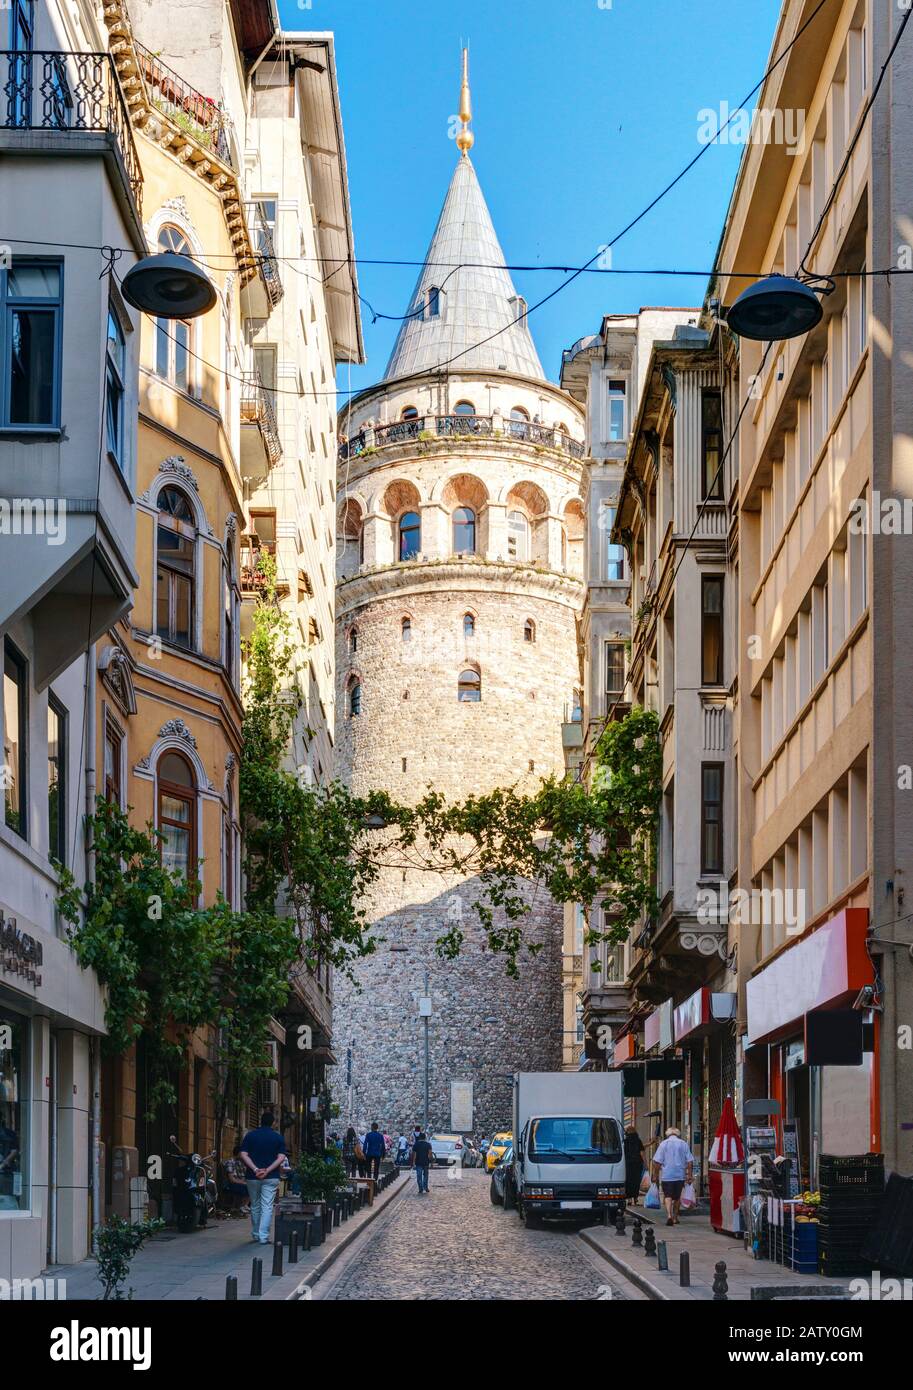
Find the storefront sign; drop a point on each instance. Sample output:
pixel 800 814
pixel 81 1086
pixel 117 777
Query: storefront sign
pixel 699 1013
pixel 665 1025
pixel 824 970
pixel 651 1031
pixel 625 1048
pixel 20 954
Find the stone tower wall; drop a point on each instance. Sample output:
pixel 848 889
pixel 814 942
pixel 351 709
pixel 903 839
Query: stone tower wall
pixel 413 733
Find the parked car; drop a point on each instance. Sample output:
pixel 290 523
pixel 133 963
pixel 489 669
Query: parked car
pixel 500 1176
pixel 471 1156
pixel 447 1149
pixel 497 1146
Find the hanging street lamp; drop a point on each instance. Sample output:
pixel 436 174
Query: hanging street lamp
pixel 169 286
pixel 777 307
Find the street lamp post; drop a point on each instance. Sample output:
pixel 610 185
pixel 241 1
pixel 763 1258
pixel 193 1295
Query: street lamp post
pixel 424 1009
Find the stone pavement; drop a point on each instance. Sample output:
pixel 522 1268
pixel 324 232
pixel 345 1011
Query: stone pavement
pixel 705 1247
pixel 455 1245
pixel 180 1267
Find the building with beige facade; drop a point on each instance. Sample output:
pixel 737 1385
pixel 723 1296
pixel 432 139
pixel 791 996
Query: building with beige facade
pixel 823 725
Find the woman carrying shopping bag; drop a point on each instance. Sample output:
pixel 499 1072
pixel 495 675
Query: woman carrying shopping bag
pixel 634 1163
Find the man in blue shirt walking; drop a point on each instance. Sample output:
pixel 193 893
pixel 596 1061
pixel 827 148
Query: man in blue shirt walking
pixel 375 1148
pixel 263 1151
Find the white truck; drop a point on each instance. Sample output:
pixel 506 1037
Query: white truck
pixel 568 1152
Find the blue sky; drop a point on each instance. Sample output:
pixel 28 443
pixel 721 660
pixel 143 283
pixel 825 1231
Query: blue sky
pixel 581 114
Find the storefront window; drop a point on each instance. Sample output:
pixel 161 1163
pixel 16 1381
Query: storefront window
pixel 13 1113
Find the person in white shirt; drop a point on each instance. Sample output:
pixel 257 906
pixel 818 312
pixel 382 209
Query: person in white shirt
pixel 673 1166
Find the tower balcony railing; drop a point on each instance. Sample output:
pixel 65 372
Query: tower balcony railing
pixel 204 119
pixel 424 427
pixel 258 410
pixel 68 92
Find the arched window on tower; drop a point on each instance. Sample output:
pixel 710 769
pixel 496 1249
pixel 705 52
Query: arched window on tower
pixel 517 536
pixel 406 628
pixel 410 535
pixel 464 408
pixel 464 531
pixel 354 698
pixel 529 631
pixel 469 625
pixel 176 814
pixel 469 687
pixel 433 302
pixel 176 536
pixel 353 640
pixel 409 413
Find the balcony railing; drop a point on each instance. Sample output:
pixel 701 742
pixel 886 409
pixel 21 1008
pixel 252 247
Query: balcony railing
pixel 62 91
pixel 261 235
pixel 202 118
pixel 259 408
pixel 456 426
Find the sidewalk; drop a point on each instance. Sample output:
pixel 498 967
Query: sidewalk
pixel 705 1247
pixel 187 1267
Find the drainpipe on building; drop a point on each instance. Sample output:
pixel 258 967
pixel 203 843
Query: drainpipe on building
pixel 94 1043
pixel 52 1139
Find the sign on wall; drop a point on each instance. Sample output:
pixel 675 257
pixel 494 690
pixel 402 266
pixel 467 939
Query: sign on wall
pixel 460 1106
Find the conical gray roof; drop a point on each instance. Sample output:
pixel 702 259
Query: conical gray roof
pixel 474 303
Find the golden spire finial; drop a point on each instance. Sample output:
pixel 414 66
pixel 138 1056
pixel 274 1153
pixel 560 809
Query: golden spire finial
pixel 465 138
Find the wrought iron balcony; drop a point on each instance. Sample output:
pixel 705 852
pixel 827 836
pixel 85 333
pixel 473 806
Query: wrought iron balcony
pixel 261 235
pixel 258 418
pixel 65 92
pixel 203 119
pixel 458 426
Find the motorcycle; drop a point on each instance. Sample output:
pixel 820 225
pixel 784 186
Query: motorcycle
pixel 193 1189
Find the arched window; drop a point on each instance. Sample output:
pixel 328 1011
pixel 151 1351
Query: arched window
pixel 407 629
pixel 176 820
pixel 355 698
pixel 469 625
pixel 464 408
pixel 433 302
pixel 464 531
pixel 172 336
pixel 469 687
pixel 517 536
pixel 176 535
pixel 410 535
pixel 353 640
pixel 409 413
pixel 529 631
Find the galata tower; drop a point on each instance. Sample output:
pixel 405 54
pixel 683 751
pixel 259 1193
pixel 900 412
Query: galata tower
pixel 459 587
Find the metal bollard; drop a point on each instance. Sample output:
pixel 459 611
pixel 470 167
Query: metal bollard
pixel 277 1258
pixel 662 1255
pixel 637 1235
pixel 293 1248
pixel 607 1216
pixel 650 1242
pixel 684 1269
pixel 620 1226
pixel 308 1232
pixel 231 1288
pixel 256 1277
pixel 720 1283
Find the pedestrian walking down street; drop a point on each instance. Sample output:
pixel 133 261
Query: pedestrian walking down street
pixel 349 1145
pixel 634 1163
pixel 673 1165
pixel 375 1149
pixel 263 1151
pixel 421 1162
pixel 402 1150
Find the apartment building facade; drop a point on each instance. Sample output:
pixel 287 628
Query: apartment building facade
pixel 605 372
pixel 823 811
pixel 69 344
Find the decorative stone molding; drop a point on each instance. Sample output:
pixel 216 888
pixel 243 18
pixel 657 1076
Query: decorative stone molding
pixel 114 669
pixel 175 466
pixel 176 728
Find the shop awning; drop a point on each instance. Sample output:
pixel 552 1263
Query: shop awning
pixel 700 1014
pixel 822 971
pixel 625 1049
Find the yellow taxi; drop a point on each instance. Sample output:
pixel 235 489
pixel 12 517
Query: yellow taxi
pixel 497 1148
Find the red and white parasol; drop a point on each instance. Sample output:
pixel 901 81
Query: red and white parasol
pixel 726 1149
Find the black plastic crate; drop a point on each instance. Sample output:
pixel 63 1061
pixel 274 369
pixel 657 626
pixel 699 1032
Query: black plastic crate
pixel 837 1170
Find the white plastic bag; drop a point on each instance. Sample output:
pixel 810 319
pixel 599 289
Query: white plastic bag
pixel 689 1196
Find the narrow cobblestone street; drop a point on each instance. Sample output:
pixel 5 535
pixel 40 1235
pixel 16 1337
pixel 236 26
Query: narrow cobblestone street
pixel 454 1244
